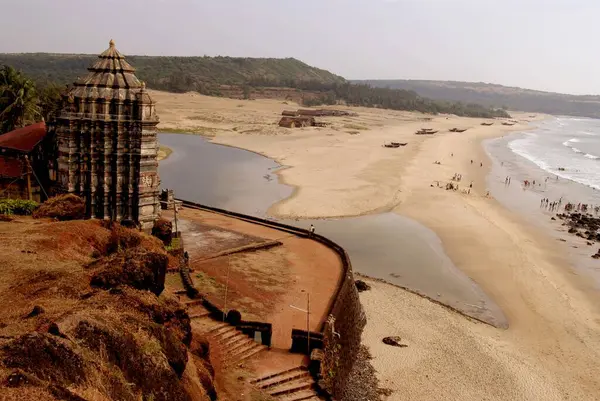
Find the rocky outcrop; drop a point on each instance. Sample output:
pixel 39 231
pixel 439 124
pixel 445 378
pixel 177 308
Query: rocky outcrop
pixel 163 230
pixel 136 268
pixel 63 339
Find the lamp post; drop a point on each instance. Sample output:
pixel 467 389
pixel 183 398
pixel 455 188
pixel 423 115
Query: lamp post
pixel 226 288
pixel 307 311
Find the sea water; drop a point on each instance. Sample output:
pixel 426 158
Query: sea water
pixel 565 147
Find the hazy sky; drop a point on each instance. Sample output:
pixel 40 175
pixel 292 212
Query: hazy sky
pixel 539 44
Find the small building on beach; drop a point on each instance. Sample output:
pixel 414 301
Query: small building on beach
pixel 297 122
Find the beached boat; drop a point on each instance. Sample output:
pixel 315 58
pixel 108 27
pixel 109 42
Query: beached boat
pixel 509 124
pixel 391 145
pixel 399 143
pixel 425 132
pixel 487 124
pixel 457 130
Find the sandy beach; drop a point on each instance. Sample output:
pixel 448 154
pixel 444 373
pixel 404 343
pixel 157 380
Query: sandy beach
pixel 551 350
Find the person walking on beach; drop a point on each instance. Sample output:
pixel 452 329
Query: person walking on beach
pixel 312 230
pixel 471 161
pixel 481 164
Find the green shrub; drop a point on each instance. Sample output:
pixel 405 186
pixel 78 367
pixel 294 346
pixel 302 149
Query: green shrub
pixel 17 206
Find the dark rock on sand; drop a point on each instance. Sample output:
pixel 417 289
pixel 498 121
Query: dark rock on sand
pixel 394 341
pixel 362 286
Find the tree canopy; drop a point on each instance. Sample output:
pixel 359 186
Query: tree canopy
pixel 18 100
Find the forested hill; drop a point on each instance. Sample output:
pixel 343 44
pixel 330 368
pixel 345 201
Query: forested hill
pixel 178 74
pixel 492 95
pixel 247 78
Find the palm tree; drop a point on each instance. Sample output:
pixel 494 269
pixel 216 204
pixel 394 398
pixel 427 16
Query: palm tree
pixel 18 100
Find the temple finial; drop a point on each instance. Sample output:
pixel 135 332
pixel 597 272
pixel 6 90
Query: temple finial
pixel 143 85
pixel 111 43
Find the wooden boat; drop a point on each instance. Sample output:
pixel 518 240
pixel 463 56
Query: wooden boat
pixel 509 124
pixel 487 124
pixel 391 145
pixel 399 143
pixel 457 130
pixel 425 132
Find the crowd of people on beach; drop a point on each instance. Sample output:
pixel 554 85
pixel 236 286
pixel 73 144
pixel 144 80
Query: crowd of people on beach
pixel 456 178
pixel 552 206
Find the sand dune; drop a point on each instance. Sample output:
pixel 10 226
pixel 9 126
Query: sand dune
pixel 551 350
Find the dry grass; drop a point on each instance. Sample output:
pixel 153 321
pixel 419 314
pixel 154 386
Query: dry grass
pixel 45 264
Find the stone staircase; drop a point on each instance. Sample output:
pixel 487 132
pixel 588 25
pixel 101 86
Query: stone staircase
pixel 294 384
pixel 233 345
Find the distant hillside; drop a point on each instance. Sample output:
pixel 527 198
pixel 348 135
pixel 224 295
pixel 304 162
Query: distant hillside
pixel 498 96
pixel 179 74
pixel 247 78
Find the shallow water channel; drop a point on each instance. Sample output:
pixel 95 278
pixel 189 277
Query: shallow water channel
pixel 386 246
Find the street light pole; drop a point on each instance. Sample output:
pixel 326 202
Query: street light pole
pixel 308 323
pixel 307 311
pixel 226 288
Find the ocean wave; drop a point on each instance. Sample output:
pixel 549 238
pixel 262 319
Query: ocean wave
pixel 570 142
pixel 577 150
pixel 521 147
pixel 590 156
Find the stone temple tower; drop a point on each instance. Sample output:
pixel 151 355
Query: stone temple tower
pixel 107 146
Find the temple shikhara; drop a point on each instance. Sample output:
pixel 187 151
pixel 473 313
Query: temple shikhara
pixel 103 145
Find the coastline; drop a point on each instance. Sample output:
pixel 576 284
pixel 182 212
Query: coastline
pixel 551 347
pixel 546 298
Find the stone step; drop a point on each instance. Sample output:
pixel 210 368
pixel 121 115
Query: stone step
pixel 219 330
pixel 199 314
pixel 192 302
pixel 228 335
pixel 238 346
pixel 304 395
pixel 270 376
pixel 294 386
pixel 240 350
pixel 253 351
pixel 236 343
pixel 215 326
pixel 284 378
pixel 197 311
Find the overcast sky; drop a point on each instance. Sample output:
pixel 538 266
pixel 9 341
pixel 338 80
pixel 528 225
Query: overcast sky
pixel 539 44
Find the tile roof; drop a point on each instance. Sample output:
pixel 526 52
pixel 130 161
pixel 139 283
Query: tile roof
pixel 10 167
pixel 24 139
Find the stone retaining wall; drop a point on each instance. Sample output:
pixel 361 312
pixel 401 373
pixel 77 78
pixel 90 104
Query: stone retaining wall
pixel 346 319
